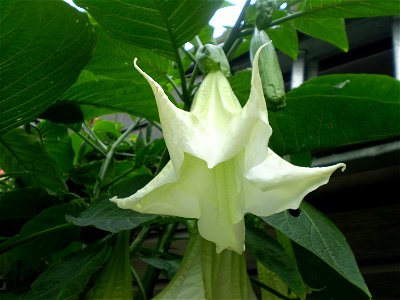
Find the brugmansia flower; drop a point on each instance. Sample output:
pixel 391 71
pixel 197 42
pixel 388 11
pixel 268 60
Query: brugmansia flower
pixel 220 166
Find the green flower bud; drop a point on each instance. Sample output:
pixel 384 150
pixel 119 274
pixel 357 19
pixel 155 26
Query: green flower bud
pixel 270 71
pixel 212 58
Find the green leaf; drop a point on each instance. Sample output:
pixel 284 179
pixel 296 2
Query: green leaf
pixel 115 281
pixel 24 203
pixel 333 110
pixel 170 265
pixel 351 8
pixel 159 26
pixel 69 277
pixel 44 46
pixel 44 234
pixel 57 142
pixel 272 255
pixel 106 215
pixel 22 156
pixel 110 83
pixel 315 232
pixel 331 30
pixel 106 95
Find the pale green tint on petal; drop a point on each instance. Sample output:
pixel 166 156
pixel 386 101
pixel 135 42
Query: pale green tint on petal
pixel 216 121
pixel 204 274
pixel 188 281
pixel 277 185
pixel 214 196
pixel 225 274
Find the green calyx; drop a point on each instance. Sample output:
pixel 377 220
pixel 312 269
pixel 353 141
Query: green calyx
pixel 212 58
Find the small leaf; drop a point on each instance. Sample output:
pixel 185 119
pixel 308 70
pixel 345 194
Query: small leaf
pixel 57 142
pixel 105 215
pixel 22 156
pixel 69 277
pixel 316 233
pixel 170 265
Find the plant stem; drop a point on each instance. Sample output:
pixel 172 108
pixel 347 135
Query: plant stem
pixel 278 21
pixel 185 96
pixel 90 142
pixel 91 134
pixel 139 282
pixel 139 239
pixel 235 32
pixel 152 273
pixel 110 154
pixel 175 86
pixel 269 289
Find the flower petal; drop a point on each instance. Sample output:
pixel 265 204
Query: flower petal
pixel 276 185
pixel 164 195
pixel 177 124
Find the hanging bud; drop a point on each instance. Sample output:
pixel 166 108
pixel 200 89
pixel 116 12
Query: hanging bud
pixel 265 10
pixel 212 58
pixel 270 71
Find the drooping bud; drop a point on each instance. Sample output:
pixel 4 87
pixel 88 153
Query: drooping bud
pixel 270 71
pixel 212 58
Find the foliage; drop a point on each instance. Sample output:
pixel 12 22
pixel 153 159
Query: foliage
pixel 63 70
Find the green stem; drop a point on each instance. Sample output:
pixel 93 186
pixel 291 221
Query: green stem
pixel 110 154
pixel 235 32
pixel 150 278
pixel 175 86
pixel 163 161
pixel 18 240
pixel 269 289
pixel 185 96
pixel 90 142
pixel 278 21
pixel 139 282
pixel 91 134
pixel 139 239
pixel 190 55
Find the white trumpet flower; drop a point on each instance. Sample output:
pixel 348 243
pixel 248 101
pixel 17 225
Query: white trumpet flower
pixel 220 166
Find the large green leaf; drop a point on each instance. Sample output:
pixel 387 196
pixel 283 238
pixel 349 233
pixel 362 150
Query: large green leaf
pixel 110 83
pixel 331 111
pixel 68 278
pixel 44 234
pixel 272 255
pixel 44 46
pixel 161 26
pixel 315 232
pixel 331 30
pixel 115 280
pixel 351 8
pixel 22 156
